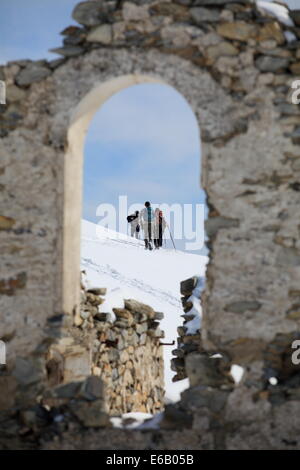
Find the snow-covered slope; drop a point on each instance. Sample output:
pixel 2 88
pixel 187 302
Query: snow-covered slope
pixel 120 263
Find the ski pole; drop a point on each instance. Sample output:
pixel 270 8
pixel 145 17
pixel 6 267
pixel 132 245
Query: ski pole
pixel 171 237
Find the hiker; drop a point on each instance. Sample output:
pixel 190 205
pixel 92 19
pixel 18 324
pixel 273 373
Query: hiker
pixel 147 218
pixel 159 228
pixel 134 221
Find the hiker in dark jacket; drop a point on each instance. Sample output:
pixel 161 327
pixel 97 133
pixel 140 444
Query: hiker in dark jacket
pixel 134 221
pixel 159 228
pixel 147 218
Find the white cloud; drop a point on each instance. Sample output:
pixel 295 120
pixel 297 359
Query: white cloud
pixel 154 116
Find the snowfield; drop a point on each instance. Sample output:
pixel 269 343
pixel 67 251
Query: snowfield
pixel 122 265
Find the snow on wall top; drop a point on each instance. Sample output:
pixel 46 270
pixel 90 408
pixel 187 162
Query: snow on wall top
pixel 275 9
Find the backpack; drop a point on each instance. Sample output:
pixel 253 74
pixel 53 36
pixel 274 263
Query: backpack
pixel 147 214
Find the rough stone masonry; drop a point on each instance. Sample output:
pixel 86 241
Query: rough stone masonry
pixel 234 65
pixel 121 358
pixel 126 354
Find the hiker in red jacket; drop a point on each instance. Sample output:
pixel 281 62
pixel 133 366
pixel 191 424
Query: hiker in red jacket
pixel 159 228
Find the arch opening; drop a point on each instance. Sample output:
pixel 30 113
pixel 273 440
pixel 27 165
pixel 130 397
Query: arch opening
pixel 81 120
pixel 73 164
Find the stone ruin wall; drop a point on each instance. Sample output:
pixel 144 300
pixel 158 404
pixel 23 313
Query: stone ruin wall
pixel 232 62
pixel 125 354
pixel 187 342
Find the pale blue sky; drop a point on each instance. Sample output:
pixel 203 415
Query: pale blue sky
pixel 149 135
pixel 29 28
pixel 143 142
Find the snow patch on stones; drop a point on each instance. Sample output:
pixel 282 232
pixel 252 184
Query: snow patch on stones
pixel 279 11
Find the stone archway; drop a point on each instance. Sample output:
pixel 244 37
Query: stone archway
pixel 184 77
pixel 236 81
pixel 50 107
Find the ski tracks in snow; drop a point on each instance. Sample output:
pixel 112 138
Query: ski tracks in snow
pixel 107 270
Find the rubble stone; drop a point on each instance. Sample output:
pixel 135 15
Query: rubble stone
pixel 31 74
